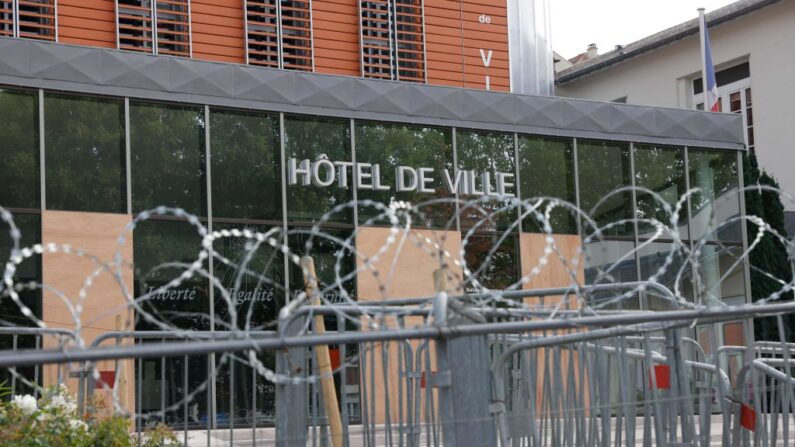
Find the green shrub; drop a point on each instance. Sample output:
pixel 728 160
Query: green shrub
pixel 53 420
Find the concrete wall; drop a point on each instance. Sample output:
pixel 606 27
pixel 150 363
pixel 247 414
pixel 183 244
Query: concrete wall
pixel 765 38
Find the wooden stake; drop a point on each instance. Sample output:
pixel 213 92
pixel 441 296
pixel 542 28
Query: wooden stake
pixel 440 279
pixel 322 356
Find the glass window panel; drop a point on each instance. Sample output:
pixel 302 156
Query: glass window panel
pixel 719 277
pixel 255 283
pixel 313 138
pixel 85 154
pixel 611 262
pixel 497 273
pixel 158 242
pixel 249 392
pixel 166 378
pixel 245 163
pixel 168 157
pixel 329 254
pixel 546 169
pixel 715 175
pixel 653 258
pixel 393 145
pixel 29 226
pixel 19 165
pixel 604 167
pixel 29 271
pixel 484 155
pixel 661 170
pixel 254 279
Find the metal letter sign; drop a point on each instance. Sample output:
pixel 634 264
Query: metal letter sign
pixel 486 58
pixel 324 172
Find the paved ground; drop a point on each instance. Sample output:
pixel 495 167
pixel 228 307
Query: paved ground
pixel 242 437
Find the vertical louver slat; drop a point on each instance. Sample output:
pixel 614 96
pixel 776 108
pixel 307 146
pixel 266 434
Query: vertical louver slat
pixel 262 18
pixel 134 25
pixel 296 21
pixel 173 27
pixel 36 19
pixel 7 19
pixel 377 39
pixel 410 40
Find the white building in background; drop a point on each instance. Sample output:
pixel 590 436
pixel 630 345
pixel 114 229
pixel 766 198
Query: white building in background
pixel 753 47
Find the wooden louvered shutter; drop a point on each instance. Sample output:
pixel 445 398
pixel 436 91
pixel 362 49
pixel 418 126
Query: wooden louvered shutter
pixel 296 35
pixel 262 24
pixel 410 40
pixel 36 19
pixel 393 40
pixel 279 33
pixel 173 27
pixel 134 27
pixel 376 39
pixel 7 19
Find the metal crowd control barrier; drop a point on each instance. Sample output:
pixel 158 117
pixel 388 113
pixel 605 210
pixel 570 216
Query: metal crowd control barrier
pixel 450 371
pixel 33 338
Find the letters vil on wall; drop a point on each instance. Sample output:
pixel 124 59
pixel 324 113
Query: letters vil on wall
pixel 119 73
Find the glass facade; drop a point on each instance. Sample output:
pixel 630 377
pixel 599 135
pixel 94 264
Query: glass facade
pixel 230 168
pixel 233 165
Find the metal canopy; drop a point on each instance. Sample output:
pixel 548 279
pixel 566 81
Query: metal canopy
pixel 71 68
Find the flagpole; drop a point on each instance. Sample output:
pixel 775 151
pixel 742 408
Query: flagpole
pixel 702 25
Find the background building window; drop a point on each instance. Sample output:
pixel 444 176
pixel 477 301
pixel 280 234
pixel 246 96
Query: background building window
pixel 85 154
pixel 279 34
pixel 393 39
pixel 734 96
pixel 154 26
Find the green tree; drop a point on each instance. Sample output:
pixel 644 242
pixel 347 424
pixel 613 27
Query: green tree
pixel 770 256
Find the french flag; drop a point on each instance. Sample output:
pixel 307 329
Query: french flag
pixel 708 70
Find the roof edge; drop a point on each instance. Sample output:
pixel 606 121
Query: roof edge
pixel 689 28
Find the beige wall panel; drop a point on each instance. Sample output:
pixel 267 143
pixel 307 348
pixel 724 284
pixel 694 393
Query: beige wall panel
pixel 413 271
pixel 412 277
pixel 555 273
pixel 104 307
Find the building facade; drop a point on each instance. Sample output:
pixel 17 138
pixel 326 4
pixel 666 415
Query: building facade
pixel 751 49
pixel 463 44
pixel 93 139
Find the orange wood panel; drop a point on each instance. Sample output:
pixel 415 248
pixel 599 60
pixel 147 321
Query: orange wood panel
pixel 218 30
pixel 87 22
pixel 444 52
pixel 488 37
pixel 336 36
pixel 455 35
pixel 104 307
